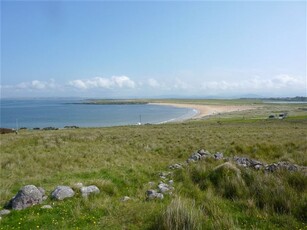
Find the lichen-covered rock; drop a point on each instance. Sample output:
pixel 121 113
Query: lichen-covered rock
pixel 62 192
pixel 85 191
pixel 26 197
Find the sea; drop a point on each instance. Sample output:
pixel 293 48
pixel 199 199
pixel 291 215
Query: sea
pixel 58 113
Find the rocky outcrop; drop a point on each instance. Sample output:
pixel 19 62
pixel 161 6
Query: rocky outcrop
pixel 62 192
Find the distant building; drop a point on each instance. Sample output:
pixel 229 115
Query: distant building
pixel 282 115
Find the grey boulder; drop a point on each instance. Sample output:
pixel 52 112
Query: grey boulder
pixel 62 192
pixel 153 194
pixel 85 191
pixel 27 196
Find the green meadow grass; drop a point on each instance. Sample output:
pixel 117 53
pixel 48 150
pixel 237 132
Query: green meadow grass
pixel 122 160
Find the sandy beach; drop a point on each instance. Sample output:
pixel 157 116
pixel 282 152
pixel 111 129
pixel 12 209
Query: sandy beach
pixel 206 110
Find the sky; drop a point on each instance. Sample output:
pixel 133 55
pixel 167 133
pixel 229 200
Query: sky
pixel 149 49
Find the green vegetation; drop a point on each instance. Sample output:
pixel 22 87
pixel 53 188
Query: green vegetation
pixel 121 161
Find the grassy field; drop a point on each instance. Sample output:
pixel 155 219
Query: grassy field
pixel 122 160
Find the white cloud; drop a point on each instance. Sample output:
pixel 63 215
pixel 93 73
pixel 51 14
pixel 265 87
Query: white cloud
pixel 107 83
pixel 280 82
pixel 78 84
pixel 123 82
pixel 179 84
pixel 153 83
pixel 33 85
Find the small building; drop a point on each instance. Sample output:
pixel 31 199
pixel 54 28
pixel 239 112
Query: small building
pixel 282 115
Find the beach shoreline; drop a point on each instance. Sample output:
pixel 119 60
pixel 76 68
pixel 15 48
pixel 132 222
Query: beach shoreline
pixel 207 110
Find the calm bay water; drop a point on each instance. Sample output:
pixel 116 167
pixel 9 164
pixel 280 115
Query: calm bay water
pixel 32 113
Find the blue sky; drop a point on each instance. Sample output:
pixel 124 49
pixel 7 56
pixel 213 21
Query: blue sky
pixel 152 49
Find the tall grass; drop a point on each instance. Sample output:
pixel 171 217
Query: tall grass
pixel 182 214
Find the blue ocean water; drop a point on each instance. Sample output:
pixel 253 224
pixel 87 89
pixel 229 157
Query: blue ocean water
pixel 40 113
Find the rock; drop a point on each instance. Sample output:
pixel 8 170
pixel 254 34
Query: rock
pixel 62 192
pixel 47 206
pixel 287 166
pixel 85 191
pixel 255 162
pixel 125 198
pixel 163 188
pixel 171 182
pixel 271 168
pixel 41 190
pixel 204 153
pixel 175 166
pixel 153 194
pixel 163 175
pixel 78 185
pixel 242 161
pixel 27 196
pixel 218 156
pixel 151 184
pixel 4 212
pixel 201 151
pixel 43 193
pixel 195 157
pixel 190 160
pixel 258 167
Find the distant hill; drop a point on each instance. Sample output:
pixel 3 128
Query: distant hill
pixel 297 98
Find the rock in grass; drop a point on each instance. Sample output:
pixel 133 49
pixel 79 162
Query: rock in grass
pixel 125 198
pixel 194 157
pixel 218 156
pixel 4 212
pixel 78 185
pixel 164 188
pixel 85 191
pixel 153 194
pixel 175 166
pixel 26 197
pixel 62 192
pixel 47 206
